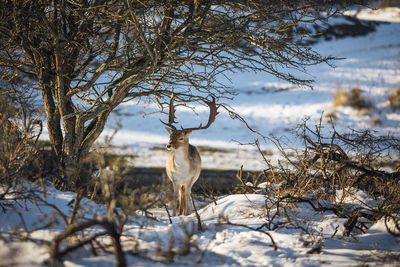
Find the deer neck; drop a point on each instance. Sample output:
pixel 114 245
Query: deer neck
pixel 181 155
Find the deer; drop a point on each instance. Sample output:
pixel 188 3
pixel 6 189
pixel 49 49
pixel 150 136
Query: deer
pixel 183 164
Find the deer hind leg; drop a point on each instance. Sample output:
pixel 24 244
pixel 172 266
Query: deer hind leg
pixel 174 201
pixel 189 204
pixel 182 200
pixel 190 207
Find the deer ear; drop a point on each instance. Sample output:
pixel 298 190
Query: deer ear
pixel 188 132
pixel 169 130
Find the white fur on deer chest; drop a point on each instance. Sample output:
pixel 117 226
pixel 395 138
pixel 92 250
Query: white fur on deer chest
pixel 182 173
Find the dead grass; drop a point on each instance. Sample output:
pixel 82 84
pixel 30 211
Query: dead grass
pixel 394 99
pixel 353 98
pixel 374 121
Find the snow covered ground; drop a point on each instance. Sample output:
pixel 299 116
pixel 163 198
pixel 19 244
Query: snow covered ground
pixel 371 62
pixel 311 238
pixel 229 238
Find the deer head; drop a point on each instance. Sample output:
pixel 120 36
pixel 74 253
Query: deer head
pixel 179 138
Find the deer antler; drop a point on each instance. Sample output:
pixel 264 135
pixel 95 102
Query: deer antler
pixel 171 113
pixel 213 113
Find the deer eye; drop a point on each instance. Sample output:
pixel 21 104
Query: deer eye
pixel 181 139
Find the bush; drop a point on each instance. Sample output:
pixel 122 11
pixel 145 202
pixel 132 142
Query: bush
pixel 354 99
pixel 394 99
pixel 326 173
pixel 19 131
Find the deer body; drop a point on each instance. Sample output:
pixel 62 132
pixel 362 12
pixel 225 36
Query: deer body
pixel 184 163
pixel 183 168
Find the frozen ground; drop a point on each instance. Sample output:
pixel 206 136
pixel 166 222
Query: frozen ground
pixel 371 62
pixel 311 238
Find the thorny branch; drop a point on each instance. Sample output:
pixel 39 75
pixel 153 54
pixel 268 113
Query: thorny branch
pixel 254 229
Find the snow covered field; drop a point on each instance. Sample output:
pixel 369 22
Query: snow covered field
pixel 236 226
pixel 370 62
pixel 229 238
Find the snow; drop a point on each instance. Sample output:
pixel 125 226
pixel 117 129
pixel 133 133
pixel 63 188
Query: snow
pixel 224 241
pixel 387 14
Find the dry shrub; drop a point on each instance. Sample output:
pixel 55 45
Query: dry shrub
pixel 327 171
pixel 333 161
pixel 19 131
pixel 353 98
pixel 374 121
pixel 109 185
pixel 394 99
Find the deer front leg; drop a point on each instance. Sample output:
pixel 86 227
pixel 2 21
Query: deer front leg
pixel 182 200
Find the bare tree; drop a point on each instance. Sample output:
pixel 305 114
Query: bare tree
pixel 88 56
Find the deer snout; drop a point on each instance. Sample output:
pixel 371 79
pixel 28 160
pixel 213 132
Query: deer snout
pixel 169 145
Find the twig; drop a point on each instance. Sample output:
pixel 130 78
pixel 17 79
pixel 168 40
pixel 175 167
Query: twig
pixel 257 230
pixel 199 226
pixel 169 215
pixel 77 200
pixel 110 229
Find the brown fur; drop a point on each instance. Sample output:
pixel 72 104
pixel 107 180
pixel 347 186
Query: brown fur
pixel 183 167
pixel 182 200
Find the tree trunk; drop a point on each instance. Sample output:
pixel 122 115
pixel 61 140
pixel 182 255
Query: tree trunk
pixel 70 172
